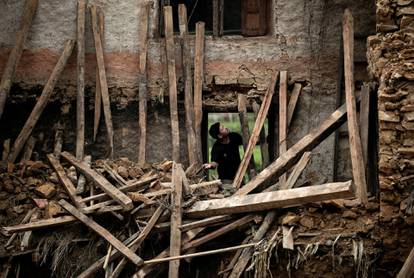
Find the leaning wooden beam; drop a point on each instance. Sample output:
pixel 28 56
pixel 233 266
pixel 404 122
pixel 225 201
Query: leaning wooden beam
pixel 100 181
pixel 172 82
pixel 358 169
pixel 256 131
pixel 102 78
pixel 102 232
pixel 407 270
pixel 264 147
pixel 41 224
pixel 66 182
pixel 271 200
pixel 293 154
pixel 297 170
pixel 14 57
pixel 188 85
pixel 142 77
pixel 28 149
pixel 80 97
pixel 198 85
pixel 244 122
pixel 176 214
pixel 283 120
pixel 293 100
pixel 98 93
pixel 41 102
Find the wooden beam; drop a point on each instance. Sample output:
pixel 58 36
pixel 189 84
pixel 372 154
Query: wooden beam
pixel 205 222
pixel 188 86
pixel 102 78
pixel 6 150
pixel 358 169
pixel 98 93
pixel 216 18
pixel 407 270
pixel 176 214
pixel 66 182
pixel 271 200
pixel 256 131
pixel 41 102
pixel 198 85
pixel 14 56
pixel 172 82
pixel 264 147
pixel 289 158
pixel 25 219
pixel 293 100
pixel 143 47
pixel 41 224
pixel 244 122
pixel 80 97
pixel 28 149
pixel 297 171
pixel 283 120
pixel 364 121
pixel 102 232
pixel 100 181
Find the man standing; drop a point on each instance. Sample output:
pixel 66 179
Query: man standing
pixel 225 154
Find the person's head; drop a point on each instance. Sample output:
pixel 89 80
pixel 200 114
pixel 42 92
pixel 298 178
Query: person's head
pixel 218 131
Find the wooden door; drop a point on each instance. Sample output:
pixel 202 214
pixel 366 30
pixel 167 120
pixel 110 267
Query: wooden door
pixel 254 17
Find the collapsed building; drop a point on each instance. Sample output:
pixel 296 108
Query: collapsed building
pixel 104 127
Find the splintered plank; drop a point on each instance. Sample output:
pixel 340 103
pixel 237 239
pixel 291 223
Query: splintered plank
pixel 256 131
pixel 293 100
pixel 264 147
pixel 293 154
pixel 175 234
pixel 283 119
pixel 98 94
pixel 198 85
pixel 100 181
pixel 14 57
pixel 143 46
pixel 244 122
pixel 102 232
pixel 41 102
pixel 172 82
pixel 102 78
pixel 358 169
pixel 41 224
pixel 297 170
pixel 271 200
pixel 188 86
pixel 80 97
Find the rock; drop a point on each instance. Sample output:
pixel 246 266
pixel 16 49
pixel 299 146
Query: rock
pixel 54 178
pixel 8 186
pixel 46 190
pixel 349 214
pixel 71 172
pixel 123 172
pixel 306 222
pixel 371 206
pixel 290 219
pixel 21 197
pixel 409 220
pixel 387 213
pixel 30 181
pixel 40 203
pixel 52 209
pixel 18 209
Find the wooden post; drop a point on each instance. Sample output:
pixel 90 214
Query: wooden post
pixel 80 97
pixel 98 94
pixel 198 85
pixel 102 232
pixel 102 79
pixel 175 235
pixel 172 81
pixel 244 122
pixel 357 159
pixel 364 120
pixel 256 131
pixel 264 147
pixel 293 100
pixel 188 86
pixel 407 270
pixel 143 46
pixel 283 119
pixel 41 102
pixel 14 57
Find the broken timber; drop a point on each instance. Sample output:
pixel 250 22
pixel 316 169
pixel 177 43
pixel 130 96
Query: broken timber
pixel 293 100
pixel 172 82
pixel 100 181
pixel 98 93
pixel 41 102
pixel 297 170
pixel 283 119
pixel 408 268
pixel 198 85
pixel 358 169
pixel 14 57
pixel 271 200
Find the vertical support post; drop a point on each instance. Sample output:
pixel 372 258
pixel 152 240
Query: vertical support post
pixel 283 119
pixel 172 81
pixel 357 160
pixel 98 94
pixel 244 122
pixel 364 120
pixel 264 147
pixel 198 85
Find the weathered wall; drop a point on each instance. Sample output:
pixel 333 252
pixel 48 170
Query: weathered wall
pixel 305 41
pixel 390 55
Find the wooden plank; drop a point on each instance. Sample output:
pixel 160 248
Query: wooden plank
pixel 172 82
pixel 41 224
pixel 358 169
pixel 66 182
pixel 289 158
pixel 102 232
pixel 14 56
pixel 198 85
pixel 100 181
pixel 204 222
pixel 143 46
pixel 41 102
pixel 26 218
pixel 98 93
pixel 80 97
pixel 188 86
pixel 25 242
pixel 244 122
pixel 256 131
pixel 271 200
pixel 297 171
pixel 287 241
pixel 293 100
pixel 28 149
pixel 407 270
pixel 264 147
pixel 176 214
pixel 283 120
pixel 6 150
pixel 364 121
pixel 102 79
